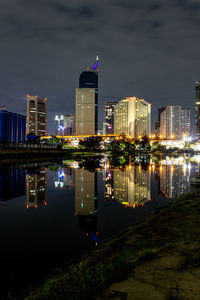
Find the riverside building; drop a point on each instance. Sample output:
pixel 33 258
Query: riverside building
pixel 36 122
pixel 174 122
pixel 132 117
pixel 87 101
pixel 12 127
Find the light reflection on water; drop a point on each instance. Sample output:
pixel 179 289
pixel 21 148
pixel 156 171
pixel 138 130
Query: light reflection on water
pixel 49 214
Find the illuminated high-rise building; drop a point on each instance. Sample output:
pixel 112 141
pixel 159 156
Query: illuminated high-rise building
pixel 36 121
pixel 132 117
pixel 185 122
pixel 87 101
pixel 175 122
pixel 64 124
pixel 197 108
pixel 109 117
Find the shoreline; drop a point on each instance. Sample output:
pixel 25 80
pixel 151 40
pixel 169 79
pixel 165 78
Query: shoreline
pixel 173 231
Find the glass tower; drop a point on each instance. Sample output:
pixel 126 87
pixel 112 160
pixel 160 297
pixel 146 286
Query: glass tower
pixel 88 80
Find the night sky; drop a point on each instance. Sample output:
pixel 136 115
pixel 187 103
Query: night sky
pixel 149 49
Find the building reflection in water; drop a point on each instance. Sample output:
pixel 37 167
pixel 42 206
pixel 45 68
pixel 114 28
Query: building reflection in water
pixel 36 188
pixel 86 202
pixel 108 179
pixel 65 177
pixel 131 186
pixel 12 184
pixel 174 180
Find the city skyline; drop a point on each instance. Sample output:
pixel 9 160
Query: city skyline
pixel 43 52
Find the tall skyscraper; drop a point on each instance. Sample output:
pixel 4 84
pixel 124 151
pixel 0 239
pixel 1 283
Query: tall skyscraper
pixel 109 117
pixel 36 122
pixel 175 122
pixel 197 108
pixel 87 101
pixel 132 117
pixel 65 124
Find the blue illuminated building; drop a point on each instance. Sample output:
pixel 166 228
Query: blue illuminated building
pixel 12 127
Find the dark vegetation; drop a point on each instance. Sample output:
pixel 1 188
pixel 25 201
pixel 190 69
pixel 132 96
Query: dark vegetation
pixel 174 229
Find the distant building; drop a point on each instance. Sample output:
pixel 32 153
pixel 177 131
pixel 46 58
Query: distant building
pixel 132 117
pixel 36 122
pixel 197 108
pixel 185 122
pixel 12 127
pixel 109 117
pixel 65 124
pixel 87 101
pixel 157 124
pixel 174 122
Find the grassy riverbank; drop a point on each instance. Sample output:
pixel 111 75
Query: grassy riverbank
pixel 158 259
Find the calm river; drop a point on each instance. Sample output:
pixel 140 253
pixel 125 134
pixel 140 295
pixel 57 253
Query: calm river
pixel 50 213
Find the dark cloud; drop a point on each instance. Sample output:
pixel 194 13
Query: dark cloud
pixel 147 48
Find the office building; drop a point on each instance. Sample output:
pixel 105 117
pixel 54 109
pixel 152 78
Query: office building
pixel 65 125
pixel 36 122
pixel 109 117
pixel 87 101
pixel 197 108
pixel 12 127
pixel 85 111
pixel 132 117
pixel 174 122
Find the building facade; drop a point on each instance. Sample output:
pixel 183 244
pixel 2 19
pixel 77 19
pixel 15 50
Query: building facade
pixel 109 117
pixel 132 117
pixel 85 111
pixel 87 101
pixel 175 122
pixel 36 122
pixel 197 108
pixel 12 127
pixel 65 124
